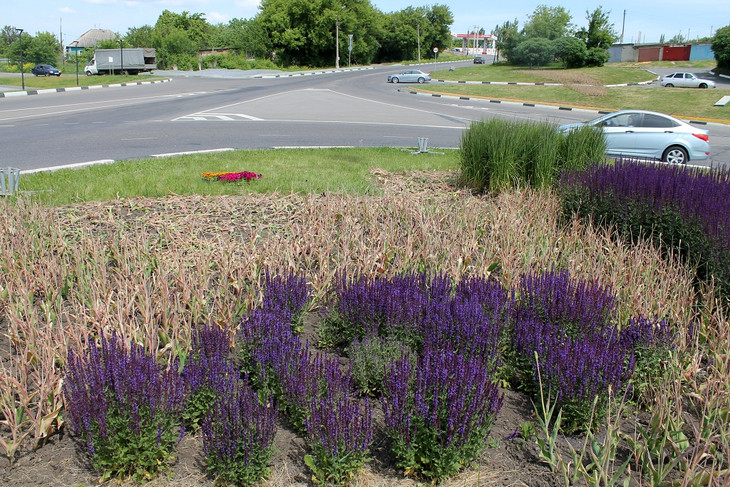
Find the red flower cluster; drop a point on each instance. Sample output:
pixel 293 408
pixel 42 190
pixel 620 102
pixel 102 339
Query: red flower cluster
pixel 231 176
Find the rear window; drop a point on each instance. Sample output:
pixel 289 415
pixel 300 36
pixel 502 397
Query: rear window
pixel 657 122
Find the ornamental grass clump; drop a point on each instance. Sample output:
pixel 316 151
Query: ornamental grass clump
pixel 438 417
pixel 686 210
pixel 124 407
pixel 208 373
pixel 238 435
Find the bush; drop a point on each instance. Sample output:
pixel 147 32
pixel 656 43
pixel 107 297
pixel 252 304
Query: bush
pixel 208 374
pixel 597 56
pixel 682 209
pixel 340 430
pixel 534 52
pixel 570 51
pixel 237 436
pixel 439 417
pixel 125 408
pixel 371 359
pixel 569 349
pixel 499 154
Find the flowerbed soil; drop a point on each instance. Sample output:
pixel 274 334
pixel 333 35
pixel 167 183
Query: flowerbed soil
pixel 508 461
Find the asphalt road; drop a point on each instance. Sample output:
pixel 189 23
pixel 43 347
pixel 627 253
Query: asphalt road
pixel 188 114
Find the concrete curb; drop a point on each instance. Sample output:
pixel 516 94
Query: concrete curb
pixel 11 94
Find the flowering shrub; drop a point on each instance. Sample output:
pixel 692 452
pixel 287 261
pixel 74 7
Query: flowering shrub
pixel 207 374
pixel 287 295
pixel 439 417
pixel 230 176
pixel 422 312
pixel 125 408
pixel 687 210
pixel 238 435
pixel 567 328
pixel 340 430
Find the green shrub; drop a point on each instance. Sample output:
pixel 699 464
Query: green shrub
pixel 370 359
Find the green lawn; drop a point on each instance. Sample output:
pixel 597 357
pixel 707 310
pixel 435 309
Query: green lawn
pixel 301 171
pixel 69 80
pixel 584 88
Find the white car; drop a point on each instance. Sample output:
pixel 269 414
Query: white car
pixel 409 76
pixel 686 80
pixel 650 135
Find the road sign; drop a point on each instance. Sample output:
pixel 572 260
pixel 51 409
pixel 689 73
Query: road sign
pixel 435 49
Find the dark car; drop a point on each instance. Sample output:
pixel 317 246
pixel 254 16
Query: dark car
pixel 45 70
pixel 479 60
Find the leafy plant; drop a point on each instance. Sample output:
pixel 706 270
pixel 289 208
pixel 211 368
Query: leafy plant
pixel 124 407
pixel 340 431
pixel 237 436
pixel 371 359
pixel 439 417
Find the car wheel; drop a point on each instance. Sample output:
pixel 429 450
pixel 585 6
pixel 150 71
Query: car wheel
pixel 421 80
pixel 395 80
pixel 675 155
pixel 703 85
pixel 669 85
pixel 88 73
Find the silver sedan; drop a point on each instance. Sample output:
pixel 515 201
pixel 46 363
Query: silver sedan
pixel 651 135
pixel 409 76
pixel 686 80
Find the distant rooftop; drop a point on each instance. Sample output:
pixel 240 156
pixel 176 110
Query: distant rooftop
pixel 92 37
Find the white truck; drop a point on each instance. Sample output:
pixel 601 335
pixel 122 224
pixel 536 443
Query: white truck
pixel 132 60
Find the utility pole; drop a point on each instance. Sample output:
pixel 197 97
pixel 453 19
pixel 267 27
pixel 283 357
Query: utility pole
pixel 623 25
pixel 418 34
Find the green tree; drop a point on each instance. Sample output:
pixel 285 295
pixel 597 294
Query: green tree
pixel 508 38
pixel 13 51
pixel 600 31
pixel 570 51
pixel 8 36
pixel 721 47
pixel 303 32
pixel 548 22
pixel 535 52
pixel 44 48
pixel 140 36
pixel 194 26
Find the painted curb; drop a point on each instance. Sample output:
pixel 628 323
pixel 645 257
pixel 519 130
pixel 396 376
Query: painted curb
pixel 11 94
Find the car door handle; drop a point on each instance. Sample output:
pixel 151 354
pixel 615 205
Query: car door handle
pixel 629 131
pixel 669 131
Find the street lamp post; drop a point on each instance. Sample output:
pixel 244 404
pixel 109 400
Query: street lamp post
pixel 418 34
pixel 76 50
pixel 22 74
pixel 337 43
pixel 121 57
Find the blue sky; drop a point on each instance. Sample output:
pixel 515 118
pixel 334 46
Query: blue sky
pixel 646 20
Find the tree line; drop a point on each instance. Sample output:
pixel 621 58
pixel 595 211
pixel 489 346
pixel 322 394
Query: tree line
pixel 305 33
pixel 284 32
